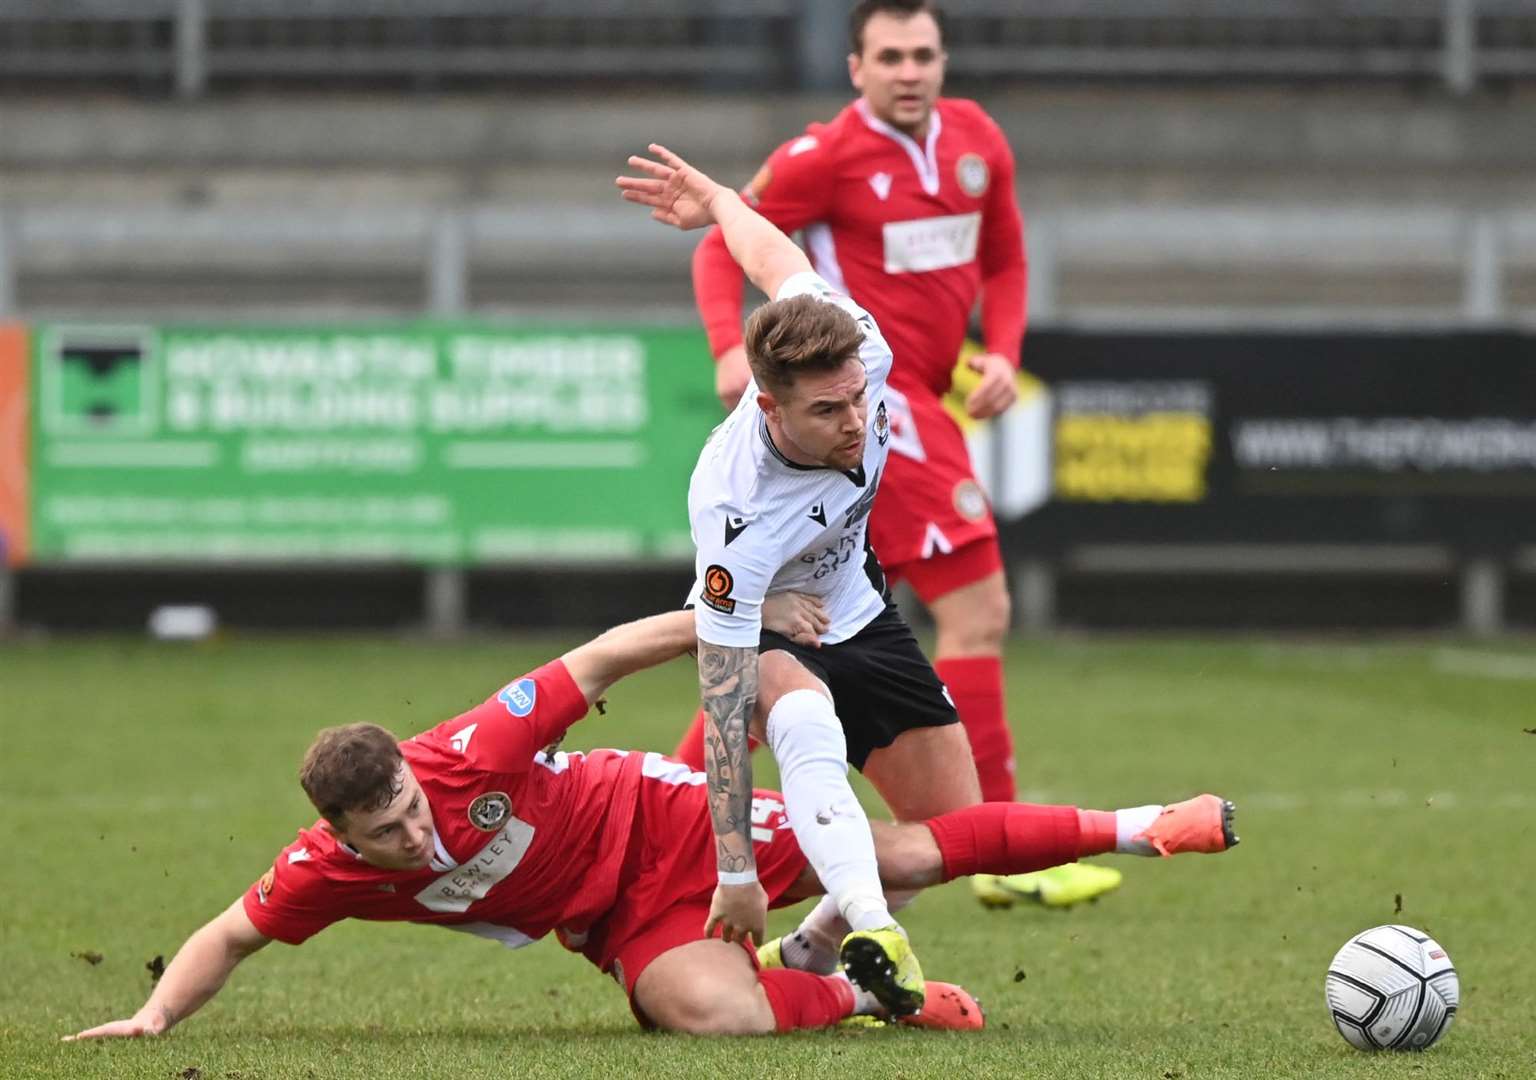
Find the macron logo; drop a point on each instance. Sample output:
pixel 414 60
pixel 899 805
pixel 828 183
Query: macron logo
pixel 881 182
pixel 301 855
pixel 460 741
pixel 802 144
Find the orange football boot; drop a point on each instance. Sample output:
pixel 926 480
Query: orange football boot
pixel 1202 824
pixel 947 1007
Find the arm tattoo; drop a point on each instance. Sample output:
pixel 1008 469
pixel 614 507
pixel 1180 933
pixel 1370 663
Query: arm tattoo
pixel 728 682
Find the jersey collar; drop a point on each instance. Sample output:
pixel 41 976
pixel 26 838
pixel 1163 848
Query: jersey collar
pixel 924 158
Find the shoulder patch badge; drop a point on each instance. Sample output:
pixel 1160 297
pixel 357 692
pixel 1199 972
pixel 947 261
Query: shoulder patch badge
pixel 718 584
pixel 971 170
pixel 519 697
pixel 488 811
pixel 265 883
pixel 882 424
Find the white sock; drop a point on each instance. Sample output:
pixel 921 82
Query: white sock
pixel 816 942
pixel 1131 823
pixel 864 1003
pixel 807 742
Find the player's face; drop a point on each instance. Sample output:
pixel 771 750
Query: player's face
pixel 398 836
pixel 822 417
pixel 901 69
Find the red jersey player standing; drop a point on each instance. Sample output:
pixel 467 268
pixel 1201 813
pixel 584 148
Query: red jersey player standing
pixel 905 201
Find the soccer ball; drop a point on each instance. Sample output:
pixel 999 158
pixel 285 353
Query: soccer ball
pixel 1392 988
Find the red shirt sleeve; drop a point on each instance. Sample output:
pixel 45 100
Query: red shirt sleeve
pixel 792 189
pixel 1004 279
pixel 504 732
pixel 293 901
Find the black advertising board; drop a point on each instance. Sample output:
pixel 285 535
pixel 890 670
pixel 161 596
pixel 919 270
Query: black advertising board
pixel 1286 438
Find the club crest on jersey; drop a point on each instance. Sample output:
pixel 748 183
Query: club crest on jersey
pixel 971 170
pixel 970 500
pixel 488 811
pixel 718 584
pixel 882 424
pixel 519 697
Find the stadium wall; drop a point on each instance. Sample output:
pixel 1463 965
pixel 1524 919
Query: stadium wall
pixel 463 474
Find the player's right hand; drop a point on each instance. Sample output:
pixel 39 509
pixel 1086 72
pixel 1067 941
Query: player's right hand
pixel 740 912
pixel 798 616
pixel 678 194
pixel 732 373
pixel 143 1022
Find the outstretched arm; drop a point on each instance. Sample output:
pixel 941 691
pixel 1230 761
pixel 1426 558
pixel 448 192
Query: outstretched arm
pixel 681 196
pixel 195 975
pixel 644 643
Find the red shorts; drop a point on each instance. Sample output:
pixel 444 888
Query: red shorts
pixel 665 892
pixel 930 506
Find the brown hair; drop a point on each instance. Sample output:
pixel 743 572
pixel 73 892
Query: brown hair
pixel 353 767
pixel 902 9
pixel 786 337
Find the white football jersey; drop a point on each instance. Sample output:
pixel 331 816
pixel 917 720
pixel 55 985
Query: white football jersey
pixel 762 524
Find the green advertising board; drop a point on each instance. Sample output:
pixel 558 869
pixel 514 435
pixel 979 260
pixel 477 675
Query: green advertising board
pixel 424 443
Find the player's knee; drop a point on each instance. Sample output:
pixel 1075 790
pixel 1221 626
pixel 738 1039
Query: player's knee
pixel 780 674
pixel 978 626
pixel 803 729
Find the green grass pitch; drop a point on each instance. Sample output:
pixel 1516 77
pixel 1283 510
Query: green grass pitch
pixel 144 787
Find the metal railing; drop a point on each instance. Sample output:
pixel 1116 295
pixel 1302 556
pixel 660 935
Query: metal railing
pixel 194 45
pixel 578 250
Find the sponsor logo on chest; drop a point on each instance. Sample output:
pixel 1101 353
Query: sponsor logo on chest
pixel 472 880
pixel 936 243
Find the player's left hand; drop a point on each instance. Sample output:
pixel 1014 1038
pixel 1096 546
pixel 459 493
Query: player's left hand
pixel 678 194
pixel 740 911
pixel 143 1022
pixel 997 391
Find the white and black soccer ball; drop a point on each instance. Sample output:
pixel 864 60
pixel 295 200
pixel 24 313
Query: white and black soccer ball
pixel 1392 988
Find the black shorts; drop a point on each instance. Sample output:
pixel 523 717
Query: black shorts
pixel 881 683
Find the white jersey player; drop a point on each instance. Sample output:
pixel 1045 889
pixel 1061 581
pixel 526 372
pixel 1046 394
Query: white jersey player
pixel 780 501
pixel 771 524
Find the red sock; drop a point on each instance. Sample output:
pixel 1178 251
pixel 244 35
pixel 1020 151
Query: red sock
pixel 976 684
pixel 691 750
pixel 800 999
pixel 1098 829
pixel 1006 838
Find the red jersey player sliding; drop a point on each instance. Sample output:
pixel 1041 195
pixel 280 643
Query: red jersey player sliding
pixel 472 826
pixel 905 202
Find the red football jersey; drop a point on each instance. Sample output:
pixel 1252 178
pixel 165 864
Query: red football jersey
pixel 909 231
pixel 526 842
